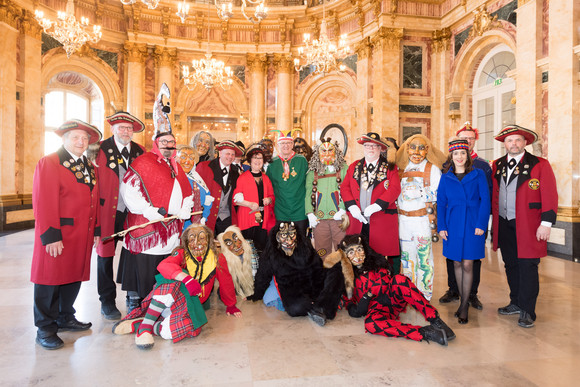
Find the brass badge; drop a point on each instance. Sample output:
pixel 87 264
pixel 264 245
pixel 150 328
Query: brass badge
pixel 365 185
pixel 66 164
pixel 386 184
pixel 110 151
pixel 534 184
pixel 112 165
pixel 79 175
pixel 293 173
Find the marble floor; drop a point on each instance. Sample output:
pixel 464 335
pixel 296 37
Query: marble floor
pixel 267 348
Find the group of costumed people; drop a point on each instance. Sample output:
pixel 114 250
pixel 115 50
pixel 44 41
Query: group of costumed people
pixel 372 226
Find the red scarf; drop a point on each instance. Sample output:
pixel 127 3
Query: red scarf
pixel 286 166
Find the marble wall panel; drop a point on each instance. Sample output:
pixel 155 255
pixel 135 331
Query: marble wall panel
pixel 150 89
pixel 333 106
pixel 544 134
pixel 416 121
pixel 545 28
pixel 18 58
pixel 412 67
pixel 48 43
pixel 271 84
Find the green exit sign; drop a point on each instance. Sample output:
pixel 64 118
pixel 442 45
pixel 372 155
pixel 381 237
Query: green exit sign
pixel 497 82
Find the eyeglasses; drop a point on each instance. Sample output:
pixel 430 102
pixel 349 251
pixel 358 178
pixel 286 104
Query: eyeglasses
pixel 125 128
pixel 167 142
pixel 371 146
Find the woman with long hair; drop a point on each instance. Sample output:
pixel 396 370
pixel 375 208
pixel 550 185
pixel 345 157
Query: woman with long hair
pixel 463 206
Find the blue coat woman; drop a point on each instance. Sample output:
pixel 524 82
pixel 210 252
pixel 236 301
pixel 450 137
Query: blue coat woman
pixel 463 206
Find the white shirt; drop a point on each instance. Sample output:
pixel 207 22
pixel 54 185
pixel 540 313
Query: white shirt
pixel 120 148
pixel 225 177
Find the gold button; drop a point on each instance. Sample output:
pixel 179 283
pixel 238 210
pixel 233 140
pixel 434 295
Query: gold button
pixel 115 197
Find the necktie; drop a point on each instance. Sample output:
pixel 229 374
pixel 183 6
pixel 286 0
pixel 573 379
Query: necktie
pixel 125 152
pixel 512 163
pixel 225 171
pixel 371 168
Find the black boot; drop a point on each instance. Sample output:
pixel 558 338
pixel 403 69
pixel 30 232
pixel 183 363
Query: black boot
pixel 317 316
pixel 430 333
pixel 440 324
pixel 133 303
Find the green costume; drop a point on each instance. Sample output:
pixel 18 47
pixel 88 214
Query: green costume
pixel 327 196
pixel 289 193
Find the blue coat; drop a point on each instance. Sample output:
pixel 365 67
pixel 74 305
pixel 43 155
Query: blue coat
pixel 463 206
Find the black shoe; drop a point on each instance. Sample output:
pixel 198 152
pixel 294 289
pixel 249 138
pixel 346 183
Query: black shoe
pixel 49 342
pixel 430 333
pixel 509 309
pixel 448 297
pixel 110 312
pixel 525 320
pixel 73 325
pixel 133 303
pixel 440 324
pixel 317 316
pixel 474 302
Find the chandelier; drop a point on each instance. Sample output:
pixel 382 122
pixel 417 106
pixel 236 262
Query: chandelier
pixel 151 4
pixel 225 12
pixel 208 72
pixel 71 33
pixel 182 11
pixel 321 53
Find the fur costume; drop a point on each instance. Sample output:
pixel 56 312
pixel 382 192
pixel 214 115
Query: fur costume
pixel 371 291
pixel 240 268
pixel 303 284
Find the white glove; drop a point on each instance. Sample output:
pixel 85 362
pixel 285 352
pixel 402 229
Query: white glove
pixel 184 212
pixel 239 197
pixel 355 212
pixel 208 200
pixel 312 219
pixel 152 214
pixel 202 221
pixel 372 209
pixel 339 214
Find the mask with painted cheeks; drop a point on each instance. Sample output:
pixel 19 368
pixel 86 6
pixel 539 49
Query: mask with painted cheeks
pixel 327 153
pixel 233 243
pixel 286 238
pixel 198 241
pixel 417 150
pixel 355 254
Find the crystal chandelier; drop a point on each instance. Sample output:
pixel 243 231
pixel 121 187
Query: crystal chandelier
pixel 71 33
pixel 225 12
pixel 208 72
pixel 151 4
pixel 322 54
pixel 182 11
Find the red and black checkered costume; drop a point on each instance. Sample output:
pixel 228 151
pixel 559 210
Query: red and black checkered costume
pixel 379 296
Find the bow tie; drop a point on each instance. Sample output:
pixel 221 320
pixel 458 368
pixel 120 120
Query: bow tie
pixel 371 167
pixel 225 171
pixel 512 163
pixel 125 152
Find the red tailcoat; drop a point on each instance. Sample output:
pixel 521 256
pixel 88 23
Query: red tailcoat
pixel 65 209
pixel 210 172
pixel 108 166
pixel 536 201
pixel 154 180
pixel 384 230
pixel 247 185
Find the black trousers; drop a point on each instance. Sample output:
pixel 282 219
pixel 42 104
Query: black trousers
pixel 221 225
pixel 54 303
pixel 105 281
pixel 452 282
pixel 258 235
pixel 522 273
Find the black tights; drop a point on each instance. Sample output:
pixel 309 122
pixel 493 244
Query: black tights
pixel 464 277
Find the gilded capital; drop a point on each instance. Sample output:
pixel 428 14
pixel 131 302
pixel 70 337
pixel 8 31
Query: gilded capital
pixel 135 52
pixel 441 39
pixel 9 13
pixel 363 49
pixel 256 62
pixel 283 63
pixel 164 57
pixel 29 26
pixel 387 38
pixel 282 25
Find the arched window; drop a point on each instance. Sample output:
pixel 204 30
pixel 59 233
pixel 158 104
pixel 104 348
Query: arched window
pixel 71 95
pixel 493 99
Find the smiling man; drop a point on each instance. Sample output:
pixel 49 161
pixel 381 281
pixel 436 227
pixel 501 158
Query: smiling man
pixel 65 199
pixel 524 206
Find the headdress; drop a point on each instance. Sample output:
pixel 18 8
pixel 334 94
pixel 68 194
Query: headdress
pixel 528 134
pixel 229 144
pixel 374 138
pixel 467 127
pixel 94 133
pixel 459 143
pixel 161 113
pixel 124 117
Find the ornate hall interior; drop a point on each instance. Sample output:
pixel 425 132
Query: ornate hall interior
pixel 411 66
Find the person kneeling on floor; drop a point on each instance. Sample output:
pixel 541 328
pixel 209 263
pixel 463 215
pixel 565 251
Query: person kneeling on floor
pixel 174 310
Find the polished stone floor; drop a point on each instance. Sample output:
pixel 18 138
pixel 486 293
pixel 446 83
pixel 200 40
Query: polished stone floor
pixel 267 348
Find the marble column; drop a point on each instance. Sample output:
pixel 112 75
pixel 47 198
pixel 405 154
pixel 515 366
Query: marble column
pixel 257 65
pixel 165 59
pixel 8 117
pixel 31 119
pixel 284 70
pixel 135 58
pixel 440 122
pixel 386 74
pixel 363 86
pixel 563 137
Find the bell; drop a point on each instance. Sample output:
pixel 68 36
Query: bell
pixel 258 217
pixel 432 226
pixel 435 238
pixel 429 210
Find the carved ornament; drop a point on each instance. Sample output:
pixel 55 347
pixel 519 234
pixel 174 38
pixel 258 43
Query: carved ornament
pixel 387 38
pixel 135 52
pixel 164 57
pixel 30 26
pixel 441 39
pixel 282 24
pixel 363 49
pixel 9 13
pixel 256 62
pixel 283 63
pixel 482 21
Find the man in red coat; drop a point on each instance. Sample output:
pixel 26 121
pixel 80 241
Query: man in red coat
pixel 369 191
pixel 65 198
pixel 221 178
pixel 115 155
pixel 524 207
